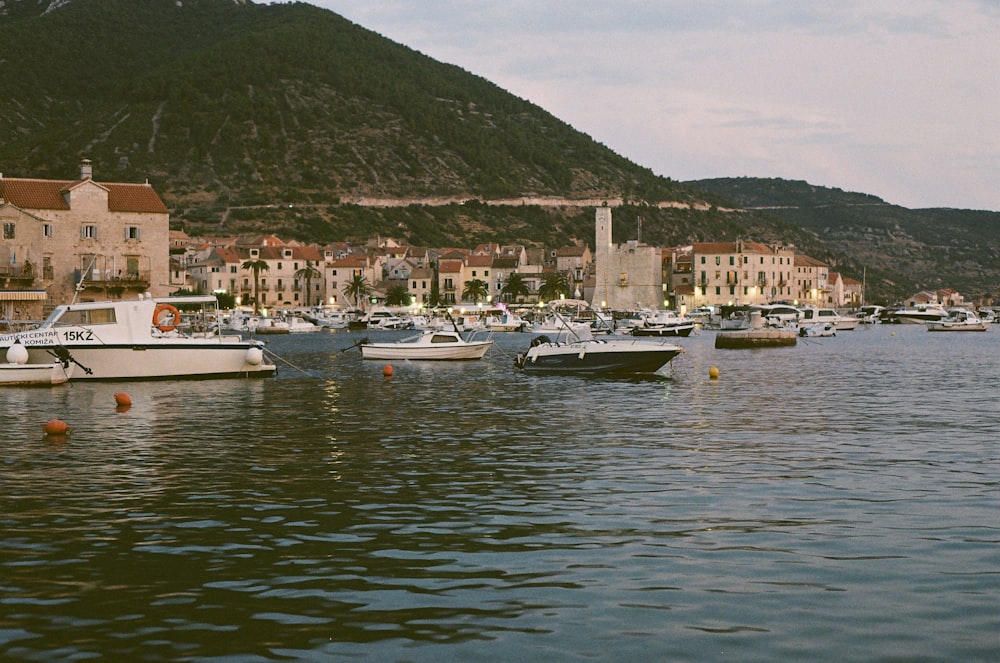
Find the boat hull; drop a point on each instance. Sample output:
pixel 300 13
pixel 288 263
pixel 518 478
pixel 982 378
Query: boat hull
pixel 674 330
pixel 597 358
pixel 162 361
pixel 26 375
pixel 957 327
pixel 396 351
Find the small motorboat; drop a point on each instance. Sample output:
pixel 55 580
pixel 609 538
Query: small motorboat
pixel 428 345
pixel 959 320
pixel 17 372
pixel 596 357
pixel 817 330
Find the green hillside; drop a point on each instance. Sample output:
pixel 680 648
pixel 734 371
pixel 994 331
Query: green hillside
pixel 283 117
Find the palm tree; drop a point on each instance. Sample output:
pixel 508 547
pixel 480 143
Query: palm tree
pixel 475 290
pixel 514 287
pixel 308 273
pixel 553 285
pixel 256 266
pixel 357 288
pixel 398 295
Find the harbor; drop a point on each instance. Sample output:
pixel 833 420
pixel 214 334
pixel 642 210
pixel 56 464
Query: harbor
pixel 828 501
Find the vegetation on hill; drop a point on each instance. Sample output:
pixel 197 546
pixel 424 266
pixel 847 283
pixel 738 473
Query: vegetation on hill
pixel 276 118
pixel 899 250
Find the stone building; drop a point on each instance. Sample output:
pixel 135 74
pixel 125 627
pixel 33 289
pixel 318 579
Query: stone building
pixel 83 238
pixel 626 275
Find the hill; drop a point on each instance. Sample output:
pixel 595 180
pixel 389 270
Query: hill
pixel 903 250
pixel 290 119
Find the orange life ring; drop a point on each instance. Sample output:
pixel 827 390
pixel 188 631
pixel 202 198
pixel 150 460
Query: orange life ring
pixel 160 310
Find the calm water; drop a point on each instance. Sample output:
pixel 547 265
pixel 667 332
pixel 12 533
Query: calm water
pixel 839 500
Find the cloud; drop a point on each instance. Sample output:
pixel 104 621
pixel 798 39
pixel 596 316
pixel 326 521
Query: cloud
pixel 892 97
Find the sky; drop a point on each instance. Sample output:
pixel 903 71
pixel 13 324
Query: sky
pixel 895 98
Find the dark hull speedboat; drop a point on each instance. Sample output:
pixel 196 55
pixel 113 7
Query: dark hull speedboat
pixel 596 357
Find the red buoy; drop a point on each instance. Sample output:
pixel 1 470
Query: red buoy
pixel 56 427
pixel 122 399
pixel 387 371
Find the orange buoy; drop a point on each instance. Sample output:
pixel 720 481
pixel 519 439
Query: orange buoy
pixel 387 371
pixel 122 399
pixel 56 427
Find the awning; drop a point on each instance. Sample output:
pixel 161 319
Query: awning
pixel 23 295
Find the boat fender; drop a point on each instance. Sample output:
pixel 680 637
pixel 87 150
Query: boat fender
pixel 255 356
pixel 582 353
pixel 17 353
pixel 166 326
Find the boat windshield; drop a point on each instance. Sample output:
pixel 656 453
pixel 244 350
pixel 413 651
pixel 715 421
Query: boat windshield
pixel 65 317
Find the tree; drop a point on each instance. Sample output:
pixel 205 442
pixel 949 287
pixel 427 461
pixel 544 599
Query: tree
pixel 256 266
pixel 514 287
pixel 307 274
pixel 398 295
pixel 553 285
pixel 357 288
pixel 475 290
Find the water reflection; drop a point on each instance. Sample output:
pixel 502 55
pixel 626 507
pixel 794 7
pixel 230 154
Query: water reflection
pixel 468 511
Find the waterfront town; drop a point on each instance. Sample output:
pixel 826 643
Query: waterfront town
pixel 86 240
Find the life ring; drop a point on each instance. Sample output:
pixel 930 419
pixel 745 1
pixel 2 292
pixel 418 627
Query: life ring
pixel 160 310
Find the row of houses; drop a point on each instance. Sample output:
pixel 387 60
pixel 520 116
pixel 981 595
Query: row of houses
pixel 84 239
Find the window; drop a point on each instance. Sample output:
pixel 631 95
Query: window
pixel 718 260
pixel 47 230
pixel 8 230
pixel 88 231
pixel 232 269
pixel 131 232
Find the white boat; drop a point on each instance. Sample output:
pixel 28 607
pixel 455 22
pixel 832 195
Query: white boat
pixel 381 318
pixel 139 339
pixel 613 356
pixel 21 375
pixel 503 320
pixel 818 329
pixel 777 315
pixel 871 314
pixel 297 325
pixel 663 323
pixel 919 314
pixel 328 319
pixel 813 315
pixel 959 320
pixel 18 373
pixel 428 345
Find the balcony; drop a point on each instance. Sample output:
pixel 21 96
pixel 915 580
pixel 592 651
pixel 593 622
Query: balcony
pixel 106 280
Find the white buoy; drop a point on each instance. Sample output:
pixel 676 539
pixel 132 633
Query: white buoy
pixel 17 353
pixel 255 356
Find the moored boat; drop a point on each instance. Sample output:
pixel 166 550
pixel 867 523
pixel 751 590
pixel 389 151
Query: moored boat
pixel 814 315
pixel 140 339
pixel 17 372
pixel 596 356
pixel 439 345
pixel 959 320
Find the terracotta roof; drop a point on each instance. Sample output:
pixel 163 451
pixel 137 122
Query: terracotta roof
pixel 480 261
pixel 49 194
pixel 802 260
pixel 450 266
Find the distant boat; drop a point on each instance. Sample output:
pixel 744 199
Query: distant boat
pixel 439 345
pixel 919 314
pixel 813 315
pixel 959 320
